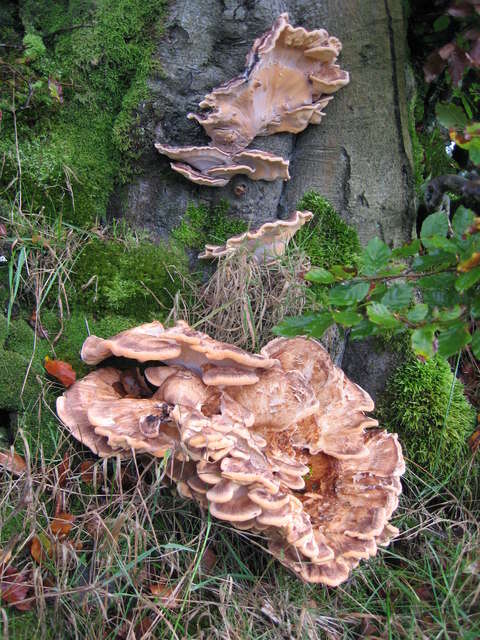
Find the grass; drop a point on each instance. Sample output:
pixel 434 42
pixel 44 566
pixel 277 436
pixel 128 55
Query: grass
pixel 133 532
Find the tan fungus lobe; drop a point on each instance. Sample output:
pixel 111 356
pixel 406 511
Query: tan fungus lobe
pixel 266 243
pixel 276 443
pixel 289 77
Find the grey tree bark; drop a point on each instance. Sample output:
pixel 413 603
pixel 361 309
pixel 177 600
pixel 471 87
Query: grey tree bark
pixel 359 157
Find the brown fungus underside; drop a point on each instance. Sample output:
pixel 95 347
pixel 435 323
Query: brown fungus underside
pixel 276 443
pixel 290 74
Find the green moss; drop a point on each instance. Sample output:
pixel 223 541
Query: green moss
pixel 133 281
pixel 76 145
pixel 202 225
pixel 327 239
pixel 415 404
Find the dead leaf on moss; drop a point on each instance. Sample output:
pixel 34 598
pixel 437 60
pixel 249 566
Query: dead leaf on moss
pixel 37 326
pixel 209 560
pixel 60 370
pixel 13 462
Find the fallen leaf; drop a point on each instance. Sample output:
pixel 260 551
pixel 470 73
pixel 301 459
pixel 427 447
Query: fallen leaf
pixel 62 524
pixel 474 441
pixel 209 560
pixel 60 370
pixel 14 589
pixel 63 470
pixel 3 228
pixel 86 471
pixel 41 549
pixel 165 594
pixel 12 462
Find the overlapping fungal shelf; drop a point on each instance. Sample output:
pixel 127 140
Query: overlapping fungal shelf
pixel 289 78
pixel 277 442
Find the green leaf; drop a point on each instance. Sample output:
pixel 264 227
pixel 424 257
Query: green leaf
pixel 453 339
pixel 418 313
pixel 377 293
pixel 363 329
pixel 398 296
pixel 474 151
pixel 434 259
pixel 347 318
pixel 475 308
pixel 462 220
pixel 448 315
pixel 314 324
pixel 320 276
pixel 340 273
pixel 476 344
pixel 422 341
pixel 407 250
pixel 441 23
pixel 438 290
pixel 379 314
pixel 375 256
pixel 467 280
pixel 438 242
pixel 450 115
pixel 346 294
pixel 436 224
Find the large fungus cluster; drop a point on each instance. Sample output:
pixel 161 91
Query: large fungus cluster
pixel 289 76
pixel 276 442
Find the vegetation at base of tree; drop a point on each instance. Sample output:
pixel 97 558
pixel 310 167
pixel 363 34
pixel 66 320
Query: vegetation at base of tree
pixel 425 404
pixel 327 239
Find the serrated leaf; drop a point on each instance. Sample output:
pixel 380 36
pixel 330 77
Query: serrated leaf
pixel 407 250
pixel 319 276
pixel 381 315
pixel 345 294
pixel 418 313
pixel 467 280
pixel 476 344
pixel 438 290
pixel 363 329
pixel 450 115
pixel 434 259
pixel 462 220
pixel 422 341
pixel 375 256
pixel 313 324
pixel 398 296
pixel 436 224
pixel 340 273
pixel 453 339
pixel 347 318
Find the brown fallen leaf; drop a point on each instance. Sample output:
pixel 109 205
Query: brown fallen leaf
pixel 209 560
pixel 165 594
pixel 60 370
pixel 13 462
pixel 62 524
pixel 474 441
pixel 41 549
pixel 63 470
pixel 86 471
pixel 14 588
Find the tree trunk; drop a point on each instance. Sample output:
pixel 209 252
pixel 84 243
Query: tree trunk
pixel 359 157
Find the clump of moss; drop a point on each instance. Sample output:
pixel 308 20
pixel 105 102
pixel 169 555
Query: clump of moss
pixel 74 141
pixel 202 225
pixel 327 239
pixel 415 404
pixel 136 281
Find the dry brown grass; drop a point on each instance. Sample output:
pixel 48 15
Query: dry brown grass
pixel 243 300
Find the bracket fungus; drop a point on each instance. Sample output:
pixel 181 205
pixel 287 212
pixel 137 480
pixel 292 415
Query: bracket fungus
pixel 290 74
pixel 266 243
pixel 276 442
